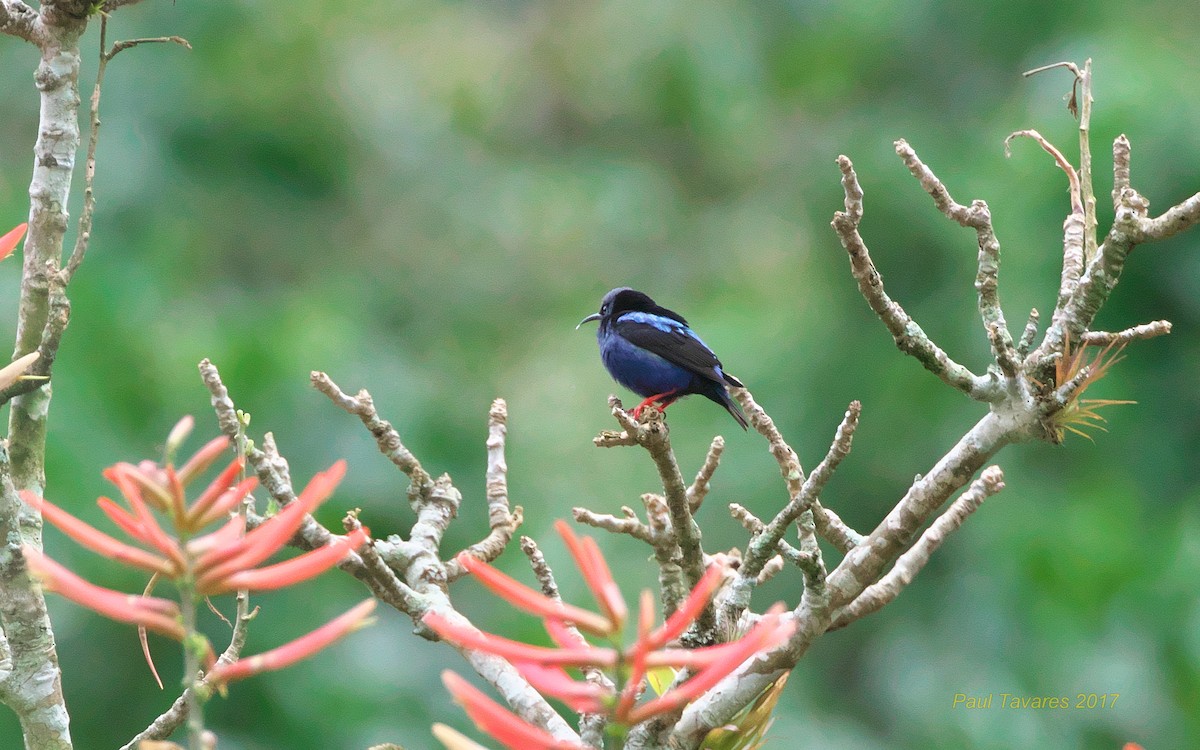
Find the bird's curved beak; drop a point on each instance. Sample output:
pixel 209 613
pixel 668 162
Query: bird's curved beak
pixel 588 319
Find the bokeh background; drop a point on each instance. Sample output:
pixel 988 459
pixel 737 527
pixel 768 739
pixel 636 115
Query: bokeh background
pixel 423 198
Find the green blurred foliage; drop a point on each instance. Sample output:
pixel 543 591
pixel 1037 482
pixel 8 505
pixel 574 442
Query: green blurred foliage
pixel 424 198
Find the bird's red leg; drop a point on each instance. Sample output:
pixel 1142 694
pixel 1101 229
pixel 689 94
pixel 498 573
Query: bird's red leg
pixel 664 397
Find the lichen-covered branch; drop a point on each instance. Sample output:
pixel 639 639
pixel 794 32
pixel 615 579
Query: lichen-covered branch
pixel 19 20
pixel 879 594
pixel 1171 222
pixel 1029 334
pixel 656 532
pixel 1025 392
pixel 1131 226
pixel 687 554
pixel 407 574
pixel 629 523
pixel 503 523
pixel 829 525
pixel 753 524
pixel 789 462
pixel 683 524
pixel 388 440
pixel 698 489
pixel 1120 338
pixel 32 688
pixel 31 685
pixel 764 543
pixel 909 337
pixel 862 566
pixel 977 216
pixel 435 501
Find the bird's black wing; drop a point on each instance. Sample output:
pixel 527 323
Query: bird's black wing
pixel 671 340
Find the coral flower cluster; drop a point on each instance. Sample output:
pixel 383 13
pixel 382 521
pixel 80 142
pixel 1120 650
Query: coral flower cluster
pixel 620 697
pixel 200 565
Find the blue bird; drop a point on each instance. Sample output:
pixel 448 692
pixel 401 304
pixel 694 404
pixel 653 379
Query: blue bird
pixel 651 351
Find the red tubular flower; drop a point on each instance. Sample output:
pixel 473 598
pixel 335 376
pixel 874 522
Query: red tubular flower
pixel 221 561
pixel 279 575
pixel 154 491
pixel 178 498
pixel 122 518
pixel 637 655
pixel 155 614
pixel 468 637
pixel 202 459
pixel 493 719
pixel 228 533
pixel 563 636
pixel 535 602
pixel 203 511
pixel 9 241
pixel 768 633
pixel 301 648
pixel 97 541
pixel 691 608
pixel 596 575
pixel 267 539
pixel 152 533
pixel 542 667
pixel 215 489
pixel 581 696
pixel 223 558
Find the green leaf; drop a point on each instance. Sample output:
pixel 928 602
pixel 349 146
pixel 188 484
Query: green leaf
pixel 660 678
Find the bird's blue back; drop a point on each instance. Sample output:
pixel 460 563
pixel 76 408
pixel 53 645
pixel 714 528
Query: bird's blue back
pixel 643 371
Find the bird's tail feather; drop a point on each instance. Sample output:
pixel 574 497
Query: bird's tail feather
pixel 733 408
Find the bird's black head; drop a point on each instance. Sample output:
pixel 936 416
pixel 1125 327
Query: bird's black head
pixel 622 300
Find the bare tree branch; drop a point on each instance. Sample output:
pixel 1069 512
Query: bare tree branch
pixel 363 407
pixel 1120 338
pixel 909 336
pixel 878 594
pixel 652 434
pixel 379 564
pixel 84 233
pixel 1174 220
pixel 629 524
pixel 698 489
pixel 789 462
pixel 829 525
pixel 1121 150
pixel 755 525
pixel 502 522
pixel 1029 334
pixel 766 539
pixel 764 543
pixel 33 688
pixel 19 20
pixel 977 216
